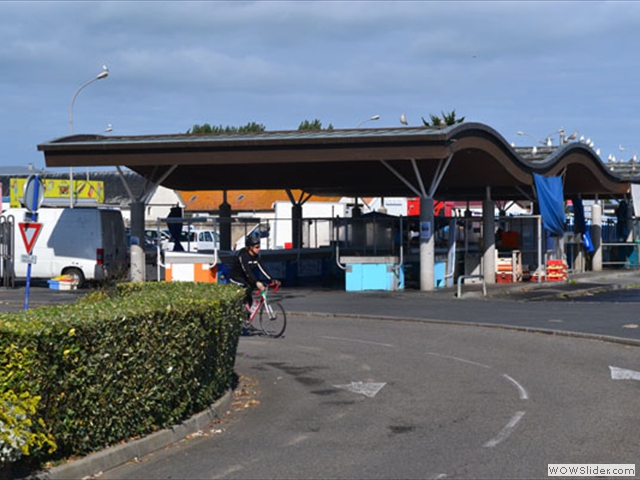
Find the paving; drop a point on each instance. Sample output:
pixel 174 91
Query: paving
pixel 525 306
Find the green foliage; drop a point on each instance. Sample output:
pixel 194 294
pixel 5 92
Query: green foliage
pixel 446 119
pixel 315 125
pixel 206 128
pixel 123 363
pixel 19 435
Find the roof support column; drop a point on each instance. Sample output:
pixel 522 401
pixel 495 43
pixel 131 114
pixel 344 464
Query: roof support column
pixel 224 214
pixel 427 242
pixel 488 239
pixel 296 230
pixel 137 256
pixel 138 263
pixel 427 245
pixel 296 217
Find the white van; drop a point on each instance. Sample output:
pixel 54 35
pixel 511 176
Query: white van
pixel 86 243
pixel 203 241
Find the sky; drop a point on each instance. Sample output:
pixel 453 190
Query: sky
pixel 529 66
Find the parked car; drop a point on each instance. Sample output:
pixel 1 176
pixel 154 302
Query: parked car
pixel 150 249
pixel 153 236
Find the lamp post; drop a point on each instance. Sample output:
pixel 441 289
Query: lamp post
pixel 562 138
pixel 635 154
pixel 535 138
pixel 370 119
pixel 100 76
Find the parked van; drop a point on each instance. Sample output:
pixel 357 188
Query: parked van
pixel 203 241
pixel 86 243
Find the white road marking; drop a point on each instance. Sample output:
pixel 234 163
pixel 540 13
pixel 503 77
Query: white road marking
pixel 506 431
pixel 368 389
pixel 521 391
pixel 359 341
pixel 624 374
pixel 458 359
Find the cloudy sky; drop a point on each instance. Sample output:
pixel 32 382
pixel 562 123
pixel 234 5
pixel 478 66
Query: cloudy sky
pixel 513 65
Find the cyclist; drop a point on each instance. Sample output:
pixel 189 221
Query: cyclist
pixel 244 266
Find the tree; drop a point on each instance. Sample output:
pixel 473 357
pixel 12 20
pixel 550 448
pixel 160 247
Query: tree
pixel 206 128
pixel 446 119
pixel 315 125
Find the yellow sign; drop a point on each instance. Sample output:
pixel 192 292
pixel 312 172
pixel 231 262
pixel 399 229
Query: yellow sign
pixel 57 191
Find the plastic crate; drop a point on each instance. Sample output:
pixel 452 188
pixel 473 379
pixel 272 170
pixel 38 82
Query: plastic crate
pixel 60 285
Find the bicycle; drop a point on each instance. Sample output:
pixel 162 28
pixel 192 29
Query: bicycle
pixel 273 318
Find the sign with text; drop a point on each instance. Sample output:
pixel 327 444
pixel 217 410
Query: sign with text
pixel 56 192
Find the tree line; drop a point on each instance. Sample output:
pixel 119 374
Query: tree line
pixel 445 119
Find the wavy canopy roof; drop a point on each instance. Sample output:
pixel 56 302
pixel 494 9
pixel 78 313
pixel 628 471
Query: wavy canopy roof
pixel 452 163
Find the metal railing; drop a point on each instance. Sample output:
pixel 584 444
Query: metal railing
pixel 7 251
pixel 621 254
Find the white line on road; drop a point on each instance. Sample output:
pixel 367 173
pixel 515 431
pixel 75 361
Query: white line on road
pixel 368 389
pixel 359 341
pixel 506 431
pixel 624 374
pixel 521 391
pixel 459 359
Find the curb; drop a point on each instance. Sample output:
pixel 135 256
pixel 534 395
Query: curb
pixel 112 457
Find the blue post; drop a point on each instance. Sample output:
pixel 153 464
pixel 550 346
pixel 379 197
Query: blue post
pixel 33 218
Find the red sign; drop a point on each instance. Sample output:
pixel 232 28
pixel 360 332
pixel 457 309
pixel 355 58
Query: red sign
pixel 30 232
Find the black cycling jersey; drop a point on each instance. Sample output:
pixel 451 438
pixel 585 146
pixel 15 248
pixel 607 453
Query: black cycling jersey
pixel 244 267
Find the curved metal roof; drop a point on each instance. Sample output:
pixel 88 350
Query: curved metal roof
pixel 452 163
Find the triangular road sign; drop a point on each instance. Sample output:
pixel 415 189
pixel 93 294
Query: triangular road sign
pixel 30 232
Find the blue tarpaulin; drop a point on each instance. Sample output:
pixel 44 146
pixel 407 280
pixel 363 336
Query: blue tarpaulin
pixel 551 203
pixel 581 224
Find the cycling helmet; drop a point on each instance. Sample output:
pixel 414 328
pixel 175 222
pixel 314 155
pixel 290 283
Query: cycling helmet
pixel 252 239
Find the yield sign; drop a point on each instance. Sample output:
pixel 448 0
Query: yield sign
pixel 30 232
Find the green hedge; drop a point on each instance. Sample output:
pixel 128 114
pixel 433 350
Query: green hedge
pixel 115 366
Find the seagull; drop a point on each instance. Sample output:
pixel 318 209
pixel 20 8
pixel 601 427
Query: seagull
pixel 403 119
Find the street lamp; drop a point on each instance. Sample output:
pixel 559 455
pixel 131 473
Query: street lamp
pixel 563 139
pixel 101 75
pixel 535 138
pixel 375 117
pixel 635 154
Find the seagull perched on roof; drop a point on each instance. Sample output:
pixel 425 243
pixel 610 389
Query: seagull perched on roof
pixel 403 119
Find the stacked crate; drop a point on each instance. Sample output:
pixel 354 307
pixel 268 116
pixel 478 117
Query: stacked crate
pixel 509 269
pixel 504 270
pixel 556 271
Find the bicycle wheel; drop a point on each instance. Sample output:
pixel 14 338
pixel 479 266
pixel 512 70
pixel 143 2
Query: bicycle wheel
pixel 273 319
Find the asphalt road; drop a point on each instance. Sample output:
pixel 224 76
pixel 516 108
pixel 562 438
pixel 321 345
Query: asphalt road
pixel 418 385
pixel 600 314
pixel 342 397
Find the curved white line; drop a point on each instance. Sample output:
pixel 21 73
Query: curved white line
pixel 459 359
pixel 359 341
pixel 506 431
pixel 521 391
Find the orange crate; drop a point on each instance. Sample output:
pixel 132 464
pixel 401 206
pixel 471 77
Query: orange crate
pixel 504 277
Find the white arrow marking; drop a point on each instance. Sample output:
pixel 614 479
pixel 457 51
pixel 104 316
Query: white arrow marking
pixel 623 374
pixel 368 389
pixel 506 431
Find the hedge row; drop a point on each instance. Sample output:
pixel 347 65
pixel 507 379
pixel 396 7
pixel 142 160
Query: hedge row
pixel 115 366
